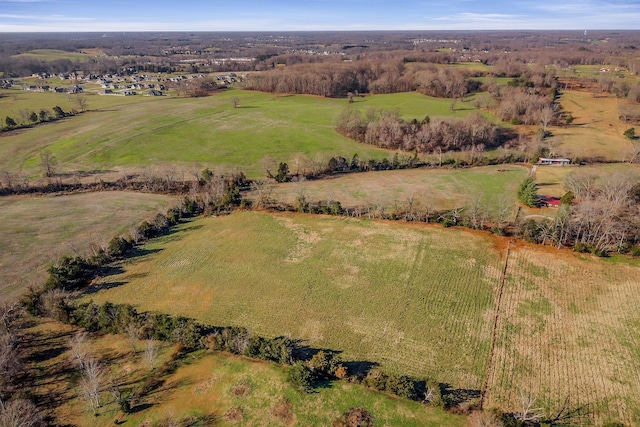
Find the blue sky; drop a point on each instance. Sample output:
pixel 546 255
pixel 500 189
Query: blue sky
pixel 282 15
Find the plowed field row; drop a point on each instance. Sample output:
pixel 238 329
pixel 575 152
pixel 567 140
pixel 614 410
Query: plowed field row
pixel 567 335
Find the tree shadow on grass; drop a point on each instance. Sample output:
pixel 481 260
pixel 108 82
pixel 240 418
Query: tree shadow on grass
pixel 453 397
pixel 142 252
pixel 94 289
pixel 141 407
pixel 358 368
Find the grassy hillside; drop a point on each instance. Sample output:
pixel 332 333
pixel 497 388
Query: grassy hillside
pixel 417 299
pixel 214 388
pixel 46 55
pixel 35 231
pixel 14 100
pixel 405 297
pixel 207 130
pixel 596 130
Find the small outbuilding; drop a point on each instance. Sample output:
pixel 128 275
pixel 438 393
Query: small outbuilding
pixel 553 162
pixel 550 202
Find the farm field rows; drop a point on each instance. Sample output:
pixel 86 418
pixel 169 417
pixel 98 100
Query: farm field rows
pixel 432 188
pixel 35 231
pixel 413 299
pixel 204 130
pixel 416 299
pixel 568 334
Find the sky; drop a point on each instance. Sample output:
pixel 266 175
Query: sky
pixel 311 15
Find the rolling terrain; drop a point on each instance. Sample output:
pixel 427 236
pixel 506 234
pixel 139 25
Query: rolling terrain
pixel 443 304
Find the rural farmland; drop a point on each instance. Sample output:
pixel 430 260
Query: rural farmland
pixel 345 229
pixel 405 275
pixel 35 232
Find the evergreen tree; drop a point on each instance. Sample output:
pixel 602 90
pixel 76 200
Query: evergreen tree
pixel 528 193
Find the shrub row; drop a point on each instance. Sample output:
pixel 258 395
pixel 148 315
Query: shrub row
pixel 304 374
pixel 74 272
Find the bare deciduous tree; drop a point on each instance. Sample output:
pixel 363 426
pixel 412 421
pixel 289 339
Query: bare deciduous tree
pixel 151 353
pixel 483 419
pixel 581 184
pixel 477 213
pixel 10 312
pixel 79 349
pixel 19 413
pixel 528 412
pixel 92 383
pixel 547 115
pixel 263 191
pixel 10 363
pixel 133 335
pixel 82 103
pixel 48 163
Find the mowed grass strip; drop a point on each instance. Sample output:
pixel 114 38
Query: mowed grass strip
pixel 36 231
pixel 417 299
pixel 433 188
pixel 204 130
pixel 569 332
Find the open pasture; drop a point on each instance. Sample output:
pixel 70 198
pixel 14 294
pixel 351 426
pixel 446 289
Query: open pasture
pixel 48 55
pixel 433 188
pixel 596 72
pixel 36 231
pixel 207 130
pixel 414 299
pixel 596 130
pixel 413 105
pixel 14 100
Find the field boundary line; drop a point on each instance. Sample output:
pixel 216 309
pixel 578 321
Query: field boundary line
pixel 494 334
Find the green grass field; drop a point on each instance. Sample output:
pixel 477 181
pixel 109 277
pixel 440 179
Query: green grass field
pixel 596 130
pixel 14 100
pixel 205 130
pixel 593 72
pixel 414 298
pixel 231 390
pixel 36 231
pixel 434 188
pixel 48 55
